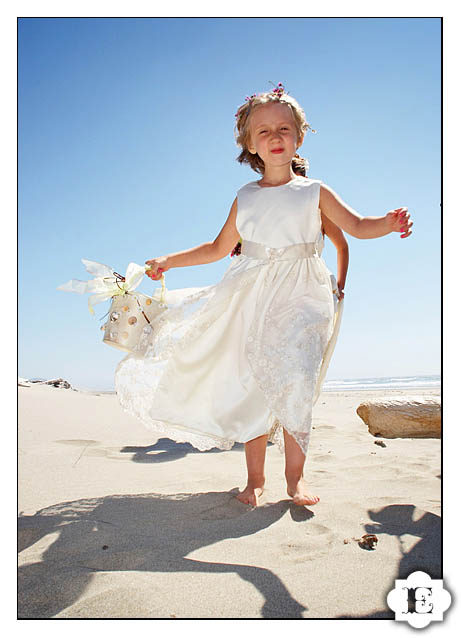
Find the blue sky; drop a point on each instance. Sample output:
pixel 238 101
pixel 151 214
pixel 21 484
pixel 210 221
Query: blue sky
pixel 127 152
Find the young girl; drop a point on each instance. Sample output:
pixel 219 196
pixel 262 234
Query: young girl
pixel 241 360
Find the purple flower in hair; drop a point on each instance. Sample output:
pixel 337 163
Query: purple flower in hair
pixel 278 91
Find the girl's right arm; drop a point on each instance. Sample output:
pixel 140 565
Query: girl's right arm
pixel 203 254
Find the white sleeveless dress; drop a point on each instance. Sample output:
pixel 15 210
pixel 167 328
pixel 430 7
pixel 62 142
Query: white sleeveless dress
pixel 247 356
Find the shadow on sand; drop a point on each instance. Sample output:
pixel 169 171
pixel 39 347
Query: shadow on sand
pixel 143 532
pixel 425 555
pixel 166 450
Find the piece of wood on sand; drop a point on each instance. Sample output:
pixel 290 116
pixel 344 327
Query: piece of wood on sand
pixel 402 417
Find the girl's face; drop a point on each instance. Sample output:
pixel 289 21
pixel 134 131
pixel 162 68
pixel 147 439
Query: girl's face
pixel 273 134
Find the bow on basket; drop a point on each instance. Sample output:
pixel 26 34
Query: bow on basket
pixel 108 283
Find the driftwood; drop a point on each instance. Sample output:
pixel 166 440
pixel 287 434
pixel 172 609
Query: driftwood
pixel 57 383
pixel 402 417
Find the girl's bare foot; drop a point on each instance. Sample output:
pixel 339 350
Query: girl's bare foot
pixel 300 494
pixel 251 494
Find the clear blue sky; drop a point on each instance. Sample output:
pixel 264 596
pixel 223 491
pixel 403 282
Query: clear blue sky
pixel 126 152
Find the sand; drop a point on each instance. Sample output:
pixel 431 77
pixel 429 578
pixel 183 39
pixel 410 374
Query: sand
pixel 115 523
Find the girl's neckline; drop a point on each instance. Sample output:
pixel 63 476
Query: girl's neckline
pixel 279 185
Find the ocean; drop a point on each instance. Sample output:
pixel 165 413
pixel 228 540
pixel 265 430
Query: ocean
pixel 338 385
pixel 431 381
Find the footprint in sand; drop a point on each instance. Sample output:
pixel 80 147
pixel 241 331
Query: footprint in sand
pixel 424 467
pixel 323 457
pixel 308 543
pixel 232 509
pixel 110 453
pixel 78 442
pixel 324 426
pixel 223 506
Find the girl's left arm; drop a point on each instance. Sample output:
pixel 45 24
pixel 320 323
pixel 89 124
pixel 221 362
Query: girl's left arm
pixel 333 207
pixel 336 235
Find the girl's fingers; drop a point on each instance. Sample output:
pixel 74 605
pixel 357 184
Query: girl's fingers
pixel 403 218
pixel 154 276
pixel 404 227
pixel 405 235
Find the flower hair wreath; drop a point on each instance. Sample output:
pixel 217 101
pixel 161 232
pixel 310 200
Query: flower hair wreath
pixel 278 92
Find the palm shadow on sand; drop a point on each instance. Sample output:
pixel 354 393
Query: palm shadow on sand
pixel 143 532
pixel 425 555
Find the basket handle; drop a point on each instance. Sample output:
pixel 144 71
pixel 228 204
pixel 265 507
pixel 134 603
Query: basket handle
pixel 162 293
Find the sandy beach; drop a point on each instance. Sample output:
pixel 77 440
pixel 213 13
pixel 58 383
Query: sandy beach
pixel 117 523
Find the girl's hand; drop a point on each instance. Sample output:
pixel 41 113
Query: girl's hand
pixel 399 221
pixel 157 267
pixel 340 292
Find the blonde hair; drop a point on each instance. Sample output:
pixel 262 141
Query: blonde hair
pixel 242 129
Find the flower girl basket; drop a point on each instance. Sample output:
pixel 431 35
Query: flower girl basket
pixel 131 313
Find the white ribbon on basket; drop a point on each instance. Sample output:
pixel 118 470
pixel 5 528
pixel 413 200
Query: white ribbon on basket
pixel 107 282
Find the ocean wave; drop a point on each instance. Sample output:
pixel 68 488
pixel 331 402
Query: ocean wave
pixel 391 383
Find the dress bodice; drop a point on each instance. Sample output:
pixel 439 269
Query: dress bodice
pixel 280 216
